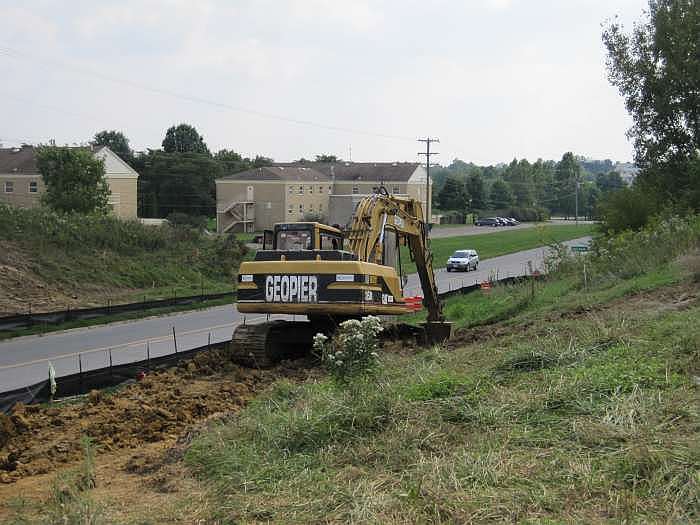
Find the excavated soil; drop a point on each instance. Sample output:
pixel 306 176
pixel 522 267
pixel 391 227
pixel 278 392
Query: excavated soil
pixel 38 439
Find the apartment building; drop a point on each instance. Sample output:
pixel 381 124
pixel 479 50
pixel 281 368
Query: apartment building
pixel 21 183
pixel 256 199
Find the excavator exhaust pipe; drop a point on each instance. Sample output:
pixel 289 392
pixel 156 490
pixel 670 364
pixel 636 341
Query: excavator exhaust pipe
pixel 436 332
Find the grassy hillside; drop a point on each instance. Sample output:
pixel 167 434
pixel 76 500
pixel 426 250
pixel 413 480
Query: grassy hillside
pixel 49 261
pixel 501 243
pixel 577 404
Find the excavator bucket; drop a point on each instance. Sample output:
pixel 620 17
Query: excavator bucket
pixel 437 332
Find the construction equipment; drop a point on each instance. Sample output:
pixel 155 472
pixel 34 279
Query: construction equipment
pixel 328 275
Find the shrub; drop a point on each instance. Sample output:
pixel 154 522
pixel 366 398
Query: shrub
pixel 179 219
pixel 626 209
pixel 352 352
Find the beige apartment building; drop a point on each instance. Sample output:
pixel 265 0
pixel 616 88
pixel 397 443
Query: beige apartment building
pixel 21 184
pixel 256 199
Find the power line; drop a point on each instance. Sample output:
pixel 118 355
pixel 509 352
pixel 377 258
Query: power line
pixel 19 55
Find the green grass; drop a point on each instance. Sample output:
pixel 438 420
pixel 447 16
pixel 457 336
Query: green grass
pixel 495 244
pixel 96 259
pixel 578 406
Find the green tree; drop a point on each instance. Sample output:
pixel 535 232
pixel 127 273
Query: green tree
pixel 260 161
pixel 656 68
pixel 477 192
pixel 608 182
pixel 566 176
pixel 117 142
pixel 500 195
pixel 519 177
pixel 184 138
pixel 232 162
pixel 74 179
pixel 327 158
pixel 453 195
pixel 178 182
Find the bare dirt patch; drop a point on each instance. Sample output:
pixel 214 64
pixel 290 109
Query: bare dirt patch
pixel 38 439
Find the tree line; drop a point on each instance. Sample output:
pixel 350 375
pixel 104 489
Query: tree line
pixel 529 191
pixel 179 177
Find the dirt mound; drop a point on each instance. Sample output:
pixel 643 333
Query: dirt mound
pixel 37 439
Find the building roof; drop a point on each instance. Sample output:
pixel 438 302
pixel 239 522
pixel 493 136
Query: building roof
pixel 23 161
pixel 369 171
pixel 288 172
pixel 339 171
pixel 18 160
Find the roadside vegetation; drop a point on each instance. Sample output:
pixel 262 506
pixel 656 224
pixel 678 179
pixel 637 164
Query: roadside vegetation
pixel 57 260
pixel 574 404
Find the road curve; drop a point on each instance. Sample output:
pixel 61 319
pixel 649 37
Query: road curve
pixel 24 360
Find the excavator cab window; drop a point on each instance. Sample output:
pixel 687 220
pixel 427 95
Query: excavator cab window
pixel 268 240
pixel 294 239
pixel 331 241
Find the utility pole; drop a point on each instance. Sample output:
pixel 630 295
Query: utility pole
pixel 577 183
pixel 428 141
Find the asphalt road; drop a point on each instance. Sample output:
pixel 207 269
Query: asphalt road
pixel 24 360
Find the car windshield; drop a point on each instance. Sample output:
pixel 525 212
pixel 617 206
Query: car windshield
pixel 461 254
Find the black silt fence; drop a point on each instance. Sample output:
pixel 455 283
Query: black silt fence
pixel 81 383
pixel 13 322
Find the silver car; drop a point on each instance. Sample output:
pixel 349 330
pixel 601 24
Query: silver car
pixel 463 260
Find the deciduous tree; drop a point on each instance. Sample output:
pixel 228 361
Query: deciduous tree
pixel 117 142
pixel 184 138
pixel 74 179
pixel 656 68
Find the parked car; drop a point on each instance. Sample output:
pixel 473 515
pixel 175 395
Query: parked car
pixel 463 260
pixel 487 222
pixel 513 222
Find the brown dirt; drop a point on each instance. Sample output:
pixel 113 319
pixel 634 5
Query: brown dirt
pixel 38 439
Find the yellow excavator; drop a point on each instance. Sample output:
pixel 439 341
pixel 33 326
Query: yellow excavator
pixel 330 275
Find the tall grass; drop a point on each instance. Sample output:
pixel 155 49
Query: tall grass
pixel 97 251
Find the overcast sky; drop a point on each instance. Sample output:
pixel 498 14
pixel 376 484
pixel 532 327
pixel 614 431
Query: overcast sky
pixel 493 79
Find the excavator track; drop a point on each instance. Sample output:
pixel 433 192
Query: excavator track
pixel 263 345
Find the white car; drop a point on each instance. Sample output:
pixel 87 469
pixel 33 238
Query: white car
pixel 463 260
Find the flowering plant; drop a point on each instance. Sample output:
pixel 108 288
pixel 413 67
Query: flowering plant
pixel 353 350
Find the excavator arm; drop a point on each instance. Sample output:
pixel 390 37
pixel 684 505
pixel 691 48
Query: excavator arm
pixel 379 213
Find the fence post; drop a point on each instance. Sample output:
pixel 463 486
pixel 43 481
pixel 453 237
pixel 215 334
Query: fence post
pixel 80 372
pixel 148 354
pixel 209 342
pixel 110 362
pixel 174 339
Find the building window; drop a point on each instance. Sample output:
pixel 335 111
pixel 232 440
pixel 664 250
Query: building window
pixel 291 190
pixel 330 188
pixel 268 205
pixel 355 190
pixel 291 209
pixel 320 189
pixel 395 189
pixel 9 186
pixel 311 190
pixel 320 208
pixel 311 208
pixel 33 187
pixel 301 208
